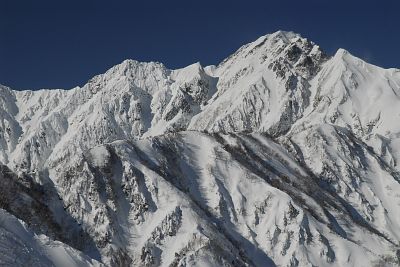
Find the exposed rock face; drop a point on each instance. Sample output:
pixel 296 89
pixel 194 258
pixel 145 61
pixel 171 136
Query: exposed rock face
pixel 278 156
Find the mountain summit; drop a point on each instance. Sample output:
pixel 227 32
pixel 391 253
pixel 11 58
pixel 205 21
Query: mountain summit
pixel 281 155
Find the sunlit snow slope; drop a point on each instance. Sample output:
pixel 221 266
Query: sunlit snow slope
pixel 279 156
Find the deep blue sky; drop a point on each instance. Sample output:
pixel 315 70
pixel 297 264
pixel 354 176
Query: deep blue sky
pixel 63 43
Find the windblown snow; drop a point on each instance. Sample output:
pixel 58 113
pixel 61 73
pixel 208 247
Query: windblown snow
pixel 279 156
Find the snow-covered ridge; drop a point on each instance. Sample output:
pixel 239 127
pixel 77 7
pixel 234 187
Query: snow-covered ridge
pixel 279 156
pixel 263 82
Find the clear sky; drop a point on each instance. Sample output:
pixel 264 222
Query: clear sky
pixel 63 43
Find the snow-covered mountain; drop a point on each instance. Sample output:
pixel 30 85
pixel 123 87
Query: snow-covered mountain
pixel 279 156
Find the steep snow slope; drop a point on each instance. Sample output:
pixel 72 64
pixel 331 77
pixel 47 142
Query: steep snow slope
pixel 127 101
pixel 278 156
pixel 351 93
pixel 351 169
pixel 19 246
pixel 263 86
pixel 175 198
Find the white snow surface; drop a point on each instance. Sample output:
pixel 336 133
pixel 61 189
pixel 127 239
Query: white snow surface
pixel 22 247
pixel 279 156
